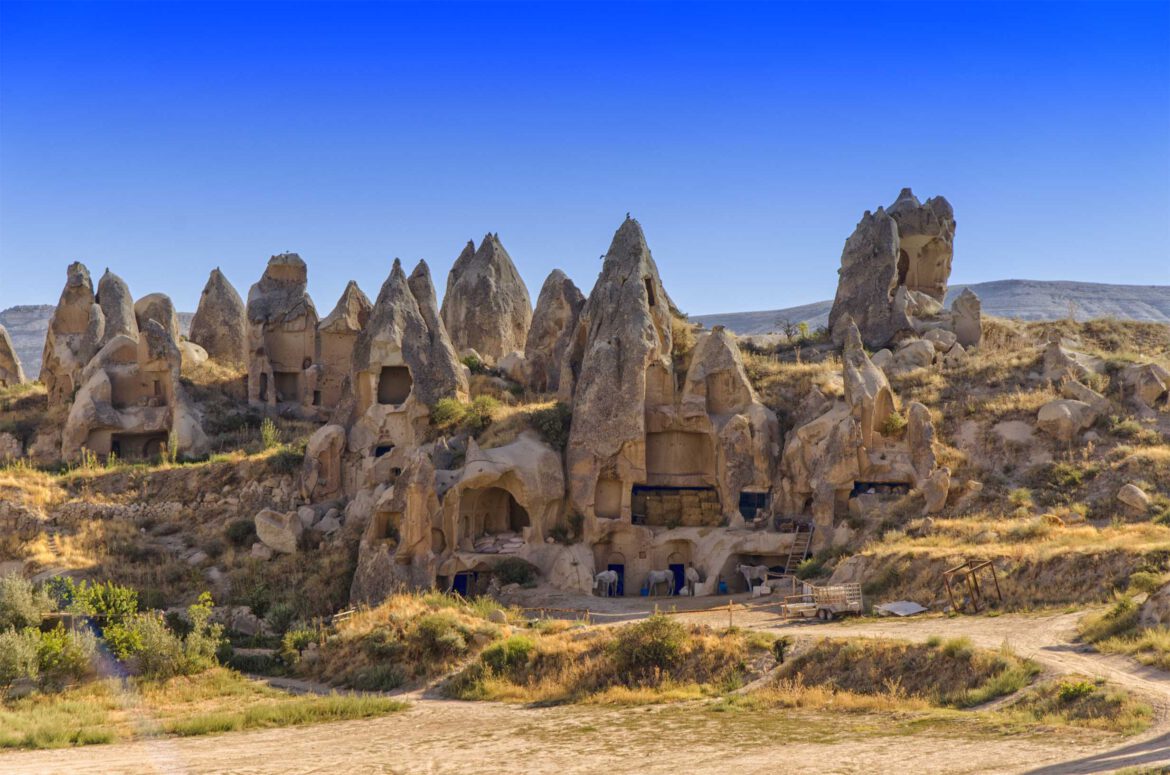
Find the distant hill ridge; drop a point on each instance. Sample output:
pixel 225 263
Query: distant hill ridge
pixel 1021 299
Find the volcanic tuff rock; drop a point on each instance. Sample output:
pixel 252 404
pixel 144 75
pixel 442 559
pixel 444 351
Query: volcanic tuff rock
pixel 282 334
pixel 158 307
pixel 113 296
pixel 486 306
pixel 553 324
pixel 622 333
pixel 220 323
pixel 10 371
pixel 336 336
pixel 894 268
pixel 75 333
pixel 967 315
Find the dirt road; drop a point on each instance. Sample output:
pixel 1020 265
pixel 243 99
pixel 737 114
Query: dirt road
pixel 437 736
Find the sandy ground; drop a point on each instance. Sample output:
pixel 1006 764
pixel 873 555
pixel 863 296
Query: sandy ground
pixel 439 736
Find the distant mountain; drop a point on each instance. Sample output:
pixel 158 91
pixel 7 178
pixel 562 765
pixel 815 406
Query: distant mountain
pixel 28 324
pixel 1021 299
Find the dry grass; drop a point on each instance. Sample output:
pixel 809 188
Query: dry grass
pixel 1080 701
pixel 218 700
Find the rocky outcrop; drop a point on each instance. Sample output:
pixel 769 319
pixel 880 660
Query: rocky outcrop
pixel 1061 362
pixel 75 333
pixel 10 371
pixel 403 363
pixel 279 532
pixel 159 308
pixel 894 270
pixel 113 296
pixel 967 315
pixel 220 324
pixel 1064 418
pixel 131 403
pixel 486 306
pixel 1134 497
pixel 553 325
pixel 282 335
pixel 337 334
pixel 1147 386
pixel 322 474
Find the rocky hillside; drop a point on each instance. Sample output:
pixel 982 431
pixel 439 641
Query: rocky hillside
pixel 27 324
pixel 1021 299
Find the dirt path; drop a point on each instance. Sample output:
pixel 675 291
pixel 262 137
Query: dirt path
pixel 437 736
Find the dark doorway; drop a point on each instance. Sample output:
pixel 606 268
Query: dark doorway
pixel 620 569
pixel 287 386
pixel 751 502
pixel 264 386
pixel 680 575
pixel 394 384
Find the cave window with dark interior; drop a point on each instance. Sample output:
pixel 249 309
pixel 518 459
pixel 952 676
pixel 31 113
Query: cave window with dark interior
pixel 649 291
pixel 394 384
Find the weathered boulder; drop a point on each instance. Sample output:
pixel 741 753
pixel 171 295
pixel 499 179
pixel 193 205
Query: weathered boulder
pixel 10 448
pixel 279 532
pixel 1071 388
pixel 967 318
pixel 486 305
pixel 1134 497
pixel 1147 385
pixel 1064 418
pixel 76 330
pixel 1155 612
pixel 158 307
pixel 220 324
pixel 113 296
pixel 942 339
pixel 553 324
pixel 920 441
pixel 10 371
pixel 1060 362
pixel 512 366
pixel 935 489
pixel 321 475
pixel 895 266
pixel 914 354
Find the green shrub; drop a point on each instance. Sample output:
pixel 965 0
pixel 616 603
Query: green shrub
pixel 509 654
pixel 269 434
pixel 893 425
pixel 810 568
pixel 18 656
pixel 294 643
pixel 440 636
pixel 479 414
pixel 378 678
pixel 204 639
pixel 241 532
pixel 280 617
pixel 65 657
pixel 514 570
pixel 474 365
pixel 1146 581
pixel 1021 498
pixel 1120 618
pixel 958 648
pixel 1071 691
pixel 160 651
pixel 447 413
pixel 553 424
pixel 21 604
pixel 645 650
pixel 109 602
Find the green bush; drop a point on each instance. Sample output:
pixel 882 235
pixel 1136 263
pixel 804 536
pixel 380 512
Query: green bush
pixel 18 656
pixel 21 604
pixel 474 365
pixel 553 424
pixel 514 570
pixel 204 639
pixel 109 602
pixel 294 642
pixel 1120 618
pixel 447 413
pixel 269 434
pixel 479 414
pixel 645 650
pixel 378 678
pixel 440 636
pixel 1145 581
pixel 280 617
pixel 241 532
pixel 160 651
pixel 893 425
pixel 958 648
pixel 1071 691
pixel 65 657
pixel 509 654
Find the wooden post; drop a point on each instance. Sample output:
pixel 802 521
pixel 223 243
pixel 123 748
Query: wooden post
pixel 730 610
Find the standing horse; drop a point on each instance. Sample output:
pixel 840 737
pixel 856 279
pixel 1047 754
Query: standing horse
pixel 656 577
pixel 608 581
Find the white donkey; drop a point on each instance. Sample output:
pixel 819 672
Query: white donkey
pixel 656 577
pixel 690 579
pixel 753 572
pixel 608 581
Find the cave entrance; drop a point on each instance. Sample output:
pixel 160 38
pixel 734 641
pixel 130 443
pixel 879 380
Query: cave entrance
pixel 139 446
pixel 492 511
pixel 287 386
pixel 394 384
pixel 752 503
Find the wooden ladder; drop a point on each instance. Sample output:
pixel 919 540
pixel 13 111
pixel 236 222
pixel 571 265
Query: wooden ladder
pixel 800 544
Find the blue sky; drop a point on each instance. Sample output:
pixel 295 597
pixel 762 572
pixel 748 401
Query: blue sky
pixel 162 140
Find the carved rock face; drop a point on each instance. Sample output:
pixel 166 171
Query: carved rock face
pixel 113 296
pixel 10 371
pixel 486 307
pixel 553 325
pixel 76 331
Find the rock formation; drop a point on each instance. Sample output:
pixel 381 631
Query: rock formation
pixel 220 325
pixel 894 271
pixel 159 308
pixel 282 335
pixel 402 365
pixel 553 325
pixel 967 314
pixel 10 371
pixel 336 336
pixel 131 403
pixel 486 306
pixel 857 446
pixel 75 334
pixel 113 296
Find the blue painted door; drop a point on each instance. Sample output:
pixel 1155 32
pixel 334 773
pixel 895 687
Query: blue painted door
pixel 621 572
pixel 680 576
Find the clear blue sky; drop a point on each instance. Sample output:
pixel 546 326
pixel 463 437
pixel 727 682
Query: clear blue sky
pixel 162 140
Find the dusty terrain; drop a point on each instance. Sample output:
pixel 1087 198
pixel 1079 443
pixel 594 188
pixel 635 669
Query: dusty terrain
pixel 440 736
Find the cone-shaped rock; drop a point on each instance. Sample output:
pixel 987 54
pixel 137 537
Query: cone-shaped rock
pixel 10 371
pixel 486 307
pixel 620 358
pixel 113 296
pixel 443 353
pixel 159 308
pixel 337 334
pixel 220 322
pixel 75 334
pixel 282 334
pixel 553 324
